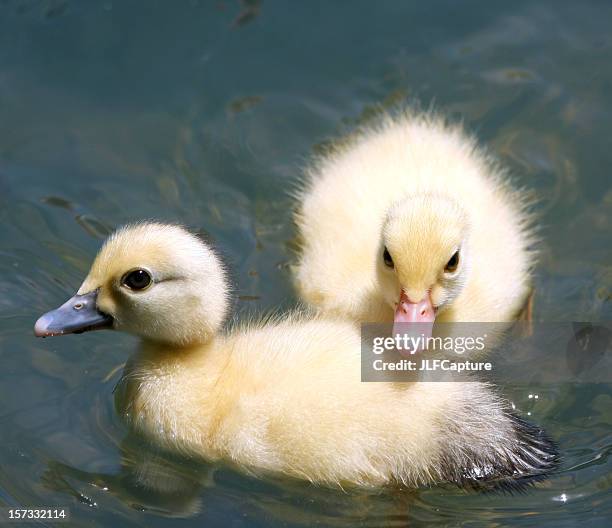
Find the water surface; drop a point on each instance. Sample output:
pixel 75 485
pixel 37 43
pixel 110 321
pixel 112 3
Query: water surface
pixel 202 113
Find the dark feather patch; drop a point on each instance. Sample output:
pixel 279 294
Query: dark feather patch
pixel 531 457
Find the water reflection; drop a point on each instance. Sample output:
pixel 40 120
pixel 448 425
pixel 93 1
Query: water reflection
pixel 590 345
pixel 152 481
pixel 147 480
pixel 119 111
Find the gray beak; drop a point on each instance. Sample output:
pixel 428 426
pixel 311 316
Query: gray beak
pixel 78 314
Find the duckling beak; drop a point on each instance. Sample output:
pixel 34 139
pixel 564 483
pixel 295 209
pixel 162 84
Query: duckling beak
pixel 419 315
pixel 408 311
pixel 78 314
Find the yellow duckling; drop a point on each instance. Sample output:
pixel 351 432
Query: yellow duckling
pixel 283 397
pixel 410 221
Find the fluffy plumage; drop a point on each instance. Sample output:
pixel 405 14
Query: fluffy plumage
pixel 423 189
pixel 286 397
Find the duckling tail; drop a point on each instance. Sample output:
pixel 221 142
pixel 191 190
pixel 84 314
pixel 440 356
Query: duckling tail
pixel 514 467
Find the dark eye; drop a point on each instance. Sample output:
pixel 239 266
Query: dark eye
pixel 137 280
pixel 453 263
pixel 387 258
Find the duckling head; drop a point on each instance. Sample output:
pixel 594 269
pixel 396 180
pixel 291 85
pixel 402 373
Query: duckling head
pixel 423 260
pixel 156 281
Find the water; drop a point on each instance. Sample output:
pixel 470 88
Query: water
pixel 202 112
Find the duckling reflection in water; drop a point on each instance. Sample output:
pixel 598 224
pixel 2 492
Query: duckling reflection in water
pixel 148 480
pixel 168 485
pixel 284 397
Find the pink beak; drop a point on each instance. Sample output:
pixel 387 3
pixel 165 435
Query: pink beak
pixel 414 318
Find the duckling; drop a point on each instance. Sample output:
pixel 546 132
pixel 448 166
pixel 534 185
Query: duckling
pixel 410 221
pixel 282 397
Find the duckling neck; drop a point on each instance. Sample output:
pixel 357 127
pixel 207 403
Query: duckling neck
pixel 165 392
pixel 161 353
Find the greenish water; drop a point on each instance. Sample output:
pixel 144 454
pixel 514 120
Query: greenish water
pixel 202 112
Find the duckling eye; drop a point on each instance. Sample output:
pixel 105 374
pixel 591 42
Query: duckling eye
pixel 137 280
pixel 387 259
pixel 453 263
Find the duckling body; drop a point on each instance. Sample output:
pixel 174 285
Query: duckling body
pixel 287 398
pixel 423 190
pixel 284 397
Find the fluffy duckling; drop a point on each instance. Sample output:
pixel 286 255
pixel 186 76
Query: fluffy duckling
pixel 283 397
pixel 410 221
